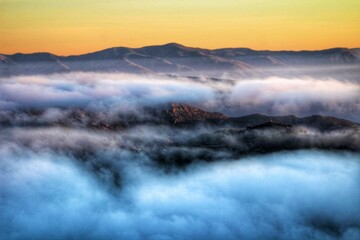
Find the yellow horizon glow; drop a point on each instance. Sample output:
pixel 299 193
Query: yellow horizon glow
pixel 68 27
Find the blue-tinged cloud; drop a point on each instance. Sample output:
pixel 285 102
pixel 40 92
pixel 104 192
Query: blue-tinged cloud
pixel 299 195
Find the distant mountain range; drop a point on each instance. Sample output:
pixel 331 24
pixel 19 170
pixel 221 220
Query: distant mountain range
pixel 176 59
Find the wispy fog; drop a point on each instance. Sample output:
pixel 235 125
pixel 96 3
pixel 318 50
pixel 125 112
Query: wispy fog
pixel 74 166
pixel 121 92
pixel 289 195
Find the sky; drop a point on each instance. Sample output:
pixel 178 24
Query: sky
pixel 68 27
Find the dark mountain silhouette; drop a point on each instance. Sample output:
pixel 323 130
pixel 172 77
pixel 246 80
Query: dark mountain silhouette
pixel 319 122
pixel 271 137
pixel 173 114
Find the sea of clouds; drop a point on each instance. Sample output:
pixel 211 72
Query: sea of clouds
pixel 287 195
pixel 124 92
pixel 76 183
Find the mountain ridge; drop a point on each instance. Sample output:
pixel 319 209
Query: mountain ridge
pixel 173 114
pixel 187 47
pixel 174 58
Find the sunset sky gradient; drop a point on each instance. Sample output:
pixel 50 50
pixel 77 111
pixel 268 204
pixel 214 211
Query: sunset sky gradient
pixel 78 26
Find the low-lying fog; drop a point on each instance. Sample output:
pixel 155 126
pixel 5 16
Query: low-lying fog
pixel 124 92
pixel 59 182
pixel 287 195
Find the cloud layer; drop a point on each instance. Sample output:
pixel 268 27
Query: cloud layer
pixel 299 195
pixel 275 96
pixel 153 181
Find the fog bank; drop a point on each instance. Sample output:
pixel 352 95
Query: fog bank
pixel 289 195
pixel 125 92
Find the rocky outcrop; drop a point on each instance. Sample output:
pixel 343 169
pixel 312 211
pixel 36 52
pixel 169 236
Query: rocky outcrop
pixel 182 113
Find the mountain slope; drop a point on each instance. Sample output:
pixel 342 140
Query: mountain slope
pixel 176 59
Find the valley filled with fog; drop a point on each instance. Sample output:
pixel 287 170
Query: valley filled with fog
pixel 288 195
pixel 115 155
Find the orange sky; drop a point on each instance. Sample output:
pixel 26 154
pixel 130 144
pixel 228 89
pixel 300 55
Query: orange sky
pixel 77 26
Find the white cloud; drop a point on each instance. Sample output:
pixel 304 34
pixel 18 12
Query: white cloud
pixel 275 96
